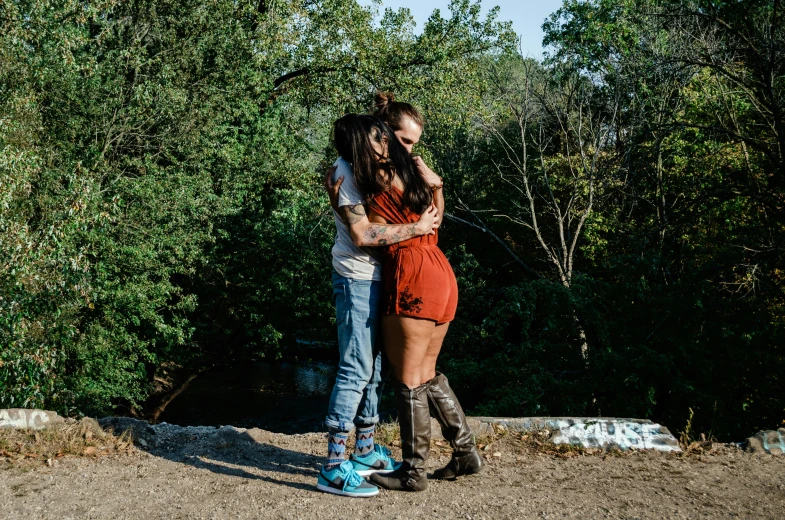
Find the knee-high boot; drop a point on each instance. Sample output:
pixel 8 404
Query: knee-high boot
pixel 448 412
pixel 415 422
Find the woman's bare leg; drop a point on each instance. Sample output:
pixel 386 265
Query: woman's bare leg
pixel 428 370
pixel 412 346
pixel 407 342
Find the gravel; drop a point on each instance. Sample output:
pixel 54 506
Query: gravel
pixel 206 472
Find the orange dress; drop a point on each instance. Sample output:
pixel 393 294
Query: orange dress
pixel 417 278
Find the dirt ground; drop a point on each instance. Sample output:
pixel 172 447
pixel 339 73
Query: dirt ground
pixel 205 472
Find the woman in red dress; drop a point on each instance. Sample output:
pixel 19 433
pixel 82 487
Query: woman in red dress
pixel 419 301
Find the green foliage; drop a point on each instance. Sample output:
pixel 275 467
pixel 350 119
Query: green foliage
pixel 160 179
pixel 161 208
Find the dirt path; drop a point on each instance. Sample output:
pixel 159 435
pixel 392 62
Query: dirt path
pixel 229 473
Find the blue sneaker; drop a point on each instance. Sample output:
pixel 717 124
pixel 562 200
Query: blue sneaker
pixel 378 461
pixel 343 480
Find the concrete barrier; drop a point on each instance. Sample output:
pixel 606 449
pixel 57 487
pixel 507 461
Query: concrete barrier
pixel 26 418
pixel 768 441
pixel 588 432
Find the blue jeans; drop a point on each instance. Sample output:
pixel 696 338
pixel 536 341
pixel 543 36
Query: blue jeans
pixel 355 397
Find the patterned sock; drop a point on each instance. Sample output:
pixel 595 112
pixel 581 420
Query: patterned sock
pixel 336 449
pixel 364 444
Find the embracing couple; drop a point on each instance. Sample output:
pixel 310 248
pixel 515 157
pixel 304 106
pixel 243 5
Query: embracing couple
pixel 395 295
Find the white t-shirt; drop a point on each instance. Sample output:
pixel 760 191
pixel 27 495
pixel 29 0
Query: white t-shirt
pixel 349 260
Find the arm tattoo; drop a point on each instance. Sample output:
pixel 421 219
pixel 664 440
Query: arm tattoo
pixel 386 234
pixel 352 214
pixel 377 234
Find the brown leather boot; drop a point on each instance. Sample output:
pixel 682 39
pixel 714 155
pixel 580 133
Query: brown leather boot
pixel 444 406
pixel 415 423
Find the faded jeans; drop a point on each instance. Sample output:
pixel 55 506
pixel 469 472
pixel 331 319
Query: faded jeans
pixel 355 396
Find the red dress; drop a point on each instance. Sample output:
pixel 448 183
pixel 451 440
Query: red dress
pixel 417 278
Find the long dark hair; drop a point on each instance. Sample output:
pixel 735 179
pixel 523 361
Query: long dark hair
pixel 352 135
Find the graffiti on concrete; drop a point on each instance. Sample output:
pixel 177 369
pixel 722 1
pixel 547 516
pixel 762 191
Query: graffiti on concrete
pixel 607 433
pixel 24 418
pixel 595 432
pixel 771 442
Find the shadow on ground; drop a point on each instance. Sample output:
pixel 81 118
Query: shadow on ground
pixel 252 454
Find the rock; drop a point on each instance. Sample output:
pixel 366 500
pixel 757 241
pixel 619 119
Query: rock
pixel 91 451
pixel 229 436
pixel 141 431
pixel 123 424
pixel 88 423
pixel 767 441
pixel 26 418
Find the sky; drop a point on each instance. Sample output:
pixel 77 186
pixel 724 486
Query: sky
pixel 526 16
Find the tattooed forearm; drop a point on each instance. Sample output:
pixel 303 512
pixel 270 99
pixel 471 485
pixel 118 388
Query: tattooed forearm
pixel 386 234
pixel 367 234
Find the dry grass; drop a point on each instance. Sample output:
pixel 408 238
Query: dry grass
pixel 74 438
pixel 388 434
pixel 503 442
pixel 538 442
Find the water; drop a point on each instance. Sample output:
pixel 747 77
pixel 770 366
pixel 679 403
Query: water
pixel 275 396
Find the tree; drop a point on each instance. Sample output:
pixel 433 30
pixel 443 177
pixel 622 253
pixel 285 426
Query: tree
pixel 555 155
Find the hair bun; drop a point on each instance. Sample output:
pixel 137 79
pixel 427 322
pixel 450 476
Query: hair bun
pixel 384 99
